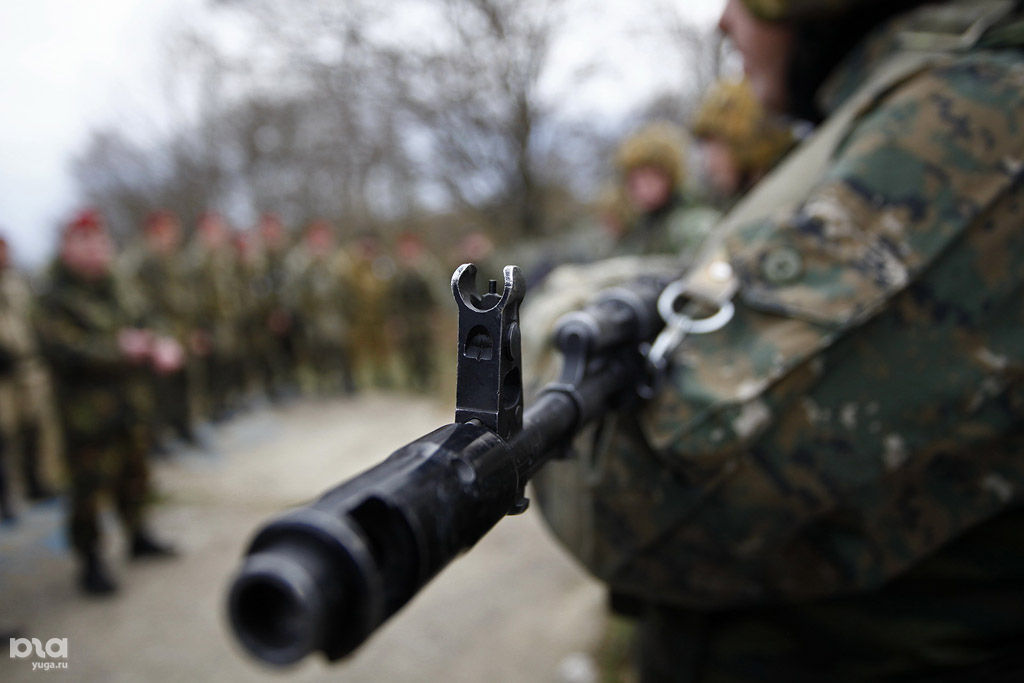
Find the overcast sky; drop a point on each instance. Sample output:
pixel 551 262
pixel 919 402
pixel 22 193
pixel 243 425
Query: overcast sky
pixel 68 66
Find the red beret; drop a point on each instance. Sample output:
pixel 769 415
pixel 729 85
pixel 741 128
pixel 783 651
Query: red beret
pixel 85 221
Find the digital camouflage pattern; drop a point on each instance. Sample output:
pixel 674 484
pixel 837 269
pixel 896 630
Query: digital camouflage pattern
pixel 839 466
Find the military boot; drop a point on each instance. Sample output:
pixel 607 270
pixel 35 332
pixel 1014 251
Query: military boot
pixel 144 546
pixel 95 578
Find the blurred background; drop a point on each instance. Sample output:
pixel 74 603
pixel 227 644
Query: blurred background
pixel 465 114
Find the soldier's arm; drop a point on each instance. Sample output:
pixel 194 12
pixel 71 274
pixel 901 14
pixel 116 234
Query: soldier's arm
pixel 808 446
pixel 69 347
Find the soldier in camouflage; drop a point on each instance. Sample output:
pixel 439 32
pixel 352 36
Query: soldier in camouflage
pixel 830 487
pixel 316 288
pixel 415 311
pixel 369 281
pixel 26 404
pixel 215 342
pixel 277 329
pixel 97 352
pixel 740 141
pixel 159 277
pixel 651 169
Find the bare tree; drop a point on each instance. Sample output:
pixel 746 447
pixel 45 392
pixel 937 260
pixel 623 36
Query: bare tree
pixel 370 112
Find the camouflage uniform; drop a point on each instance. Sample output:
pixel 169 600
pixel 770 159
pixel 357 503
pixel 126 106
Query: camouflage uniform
pixel 415 312
pixel 217 283
pixel 319 298
pixel 104 433
pixel 678 226
pixel 831 486
pixel 161 283
pixel 274 320
pixel 26 405
pixel 369 280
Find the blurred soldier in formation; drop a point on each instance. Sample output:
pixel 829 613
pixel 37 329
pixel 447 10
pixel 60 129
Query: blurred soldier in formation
pixel 316 286
pixel 159 277
pixel 415 311
pixel 651 168
pixel 369 281
pixel 248 373
pixel 215 340
pixel 740 141
pixel 97 354
pixel 830 486
pixel 26 405
pixel 278 329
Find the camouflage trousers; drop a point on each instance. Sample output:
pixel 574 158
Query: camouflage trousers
pixel 116 469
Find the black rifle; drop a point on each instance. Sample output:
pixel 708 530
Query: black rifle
pixel 325 576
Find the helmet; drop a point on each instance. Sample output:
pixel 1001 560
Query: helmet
pixel 787 10
pixel 730 112
pixel 662 145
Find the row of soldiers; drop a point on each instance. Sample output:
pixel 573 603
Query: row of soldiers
pixel 260 310
pixel 140 344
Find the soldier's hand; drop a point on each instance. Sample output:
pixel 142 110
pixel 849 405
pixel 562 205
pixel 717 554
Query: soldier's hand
pixel 135 344
pixel 168 355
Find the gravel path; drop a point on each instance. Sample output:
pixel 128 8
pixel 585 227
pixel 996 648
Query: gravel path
pixel 514 609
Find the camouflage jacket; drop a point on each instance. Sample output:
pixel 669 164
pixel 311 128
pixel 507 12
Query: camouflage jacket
pixel 96 386
pixel 860 418
pixel 220 294
pixel 163 284
pixel 315 291
pixel 17 337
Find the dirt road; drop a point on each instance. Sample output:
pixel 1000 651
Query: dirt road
pixel 514 609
